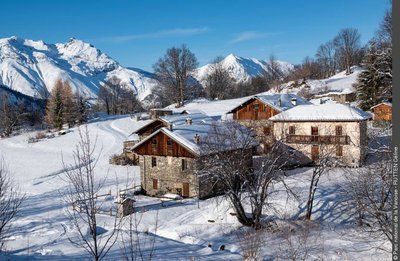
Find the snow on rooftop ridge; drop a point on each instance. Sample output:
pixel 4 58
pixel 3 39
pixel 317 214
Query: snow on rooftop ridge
pixel 283 101
pixel 323 112
pixel 193 135
pixel 180 119
pixel 385 103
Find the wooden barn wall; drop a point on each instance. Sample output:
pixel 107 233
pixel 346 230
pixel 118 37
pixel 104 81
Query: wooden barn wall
pixel 160 148
pixel 151 128
pixel 383 112
pixel 251 112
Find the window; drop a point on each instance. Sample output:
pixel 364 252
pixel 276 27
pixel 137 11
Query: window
pixel 154 144
pixel 256 106
pixel 267 130
pixel 153 162
pixel 314 131
pixel 155 183
pixel 339 131
pixel 184 164
pixel 339 151
pixel 292 130
pixel 315 152
pixel 169 146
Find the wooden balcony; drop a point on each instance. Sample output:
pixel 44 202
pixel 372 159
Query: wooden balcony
pixel 318 139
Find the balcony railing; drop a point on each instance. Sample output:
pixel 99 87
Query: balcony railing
pixel 318 139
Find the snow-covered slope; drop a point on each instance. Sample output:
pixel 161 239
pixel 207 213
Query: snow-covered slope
pixel 33 67
pixel 338 83
pixel 243 69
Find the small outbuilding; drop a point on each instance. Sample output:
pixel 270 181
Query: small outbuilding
pixel 382 111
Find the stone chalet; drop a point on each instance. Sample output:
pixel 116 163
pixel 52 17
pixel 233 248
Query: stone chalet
pixel 256 113
pixel 382 111
pixel 160 122
pixel 337 130
pixel 168 157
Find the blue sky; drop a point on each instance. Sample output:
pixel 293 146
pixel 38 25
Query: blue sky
pixel 137 33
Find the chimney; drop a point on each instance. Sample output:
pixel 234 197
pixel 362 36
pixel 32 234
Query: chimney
pixel 197 138
pixel 189 121
pixel 294 101
pixel 280 102
pixel 170 126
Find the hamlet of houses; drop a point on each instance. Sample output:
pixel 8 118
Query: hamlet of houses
pixel 167 147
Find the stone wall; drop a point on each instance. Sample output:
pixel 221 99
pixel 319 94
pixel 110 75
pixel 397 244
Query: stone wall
pixel 353 153
pixel 169 175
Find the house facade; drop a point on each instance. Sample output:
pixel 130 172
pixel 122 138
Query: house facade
pixel 328 130
pixel 168 161
pixel 256 112
pixel 382 111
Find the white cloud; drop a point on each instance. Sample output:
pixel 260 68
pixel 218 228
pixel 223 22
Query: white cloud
pixel 160 34
pixel 250 35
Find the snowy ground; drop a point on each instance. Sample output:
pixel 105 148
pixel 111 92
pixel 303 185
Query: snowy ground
pixel 183 230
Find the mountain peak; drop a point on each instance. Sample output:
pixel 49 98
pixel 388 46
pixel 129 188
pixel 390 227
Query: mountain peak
pixel 231 58
pixel 32 68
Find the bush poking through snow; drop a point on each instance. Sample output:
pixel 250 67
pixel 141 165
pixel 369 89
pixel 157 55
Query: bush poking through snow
pixel 10 201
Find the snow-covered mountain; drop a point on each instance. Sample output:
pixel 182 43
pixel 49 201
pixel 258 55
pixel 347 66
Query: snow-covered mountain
pixel 243 69
pixel 32 68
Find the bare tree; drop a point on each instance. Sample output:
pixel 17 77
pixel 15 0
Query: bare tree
pixel 116 99
pixel 369 190
pixel 325 57
pixel 82 191
pixel 347 44
pixel 275 70
pixel 321 165
pixel 137 245
pixel 251 242
pixel 299 240
pixel 10 115
pixel 174 72
pixel 228 164
pixel 10 202
pixel 218 82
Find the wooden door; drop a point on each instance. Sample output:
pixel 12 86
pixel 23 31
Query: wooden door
pixel 315 152
pixel 185 191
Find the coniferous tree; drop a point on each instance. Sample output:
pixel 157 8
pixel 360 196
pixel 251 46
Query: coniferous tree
pixel 60 106
pixel 374 85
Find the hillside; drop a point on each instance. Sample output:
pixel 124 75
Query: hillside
pixel 338 83
pixel 182 231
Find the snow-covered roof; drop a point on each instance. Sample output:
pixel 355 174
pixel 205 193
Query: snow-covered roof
pixel 323 112
pixel 221 134
pixel 179 119
pixel 280 102
pixel 382 103
pixel 192 111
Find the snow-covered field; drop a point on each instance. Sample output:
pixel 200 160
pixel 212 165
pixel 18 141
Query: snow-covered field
pixel 182 231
